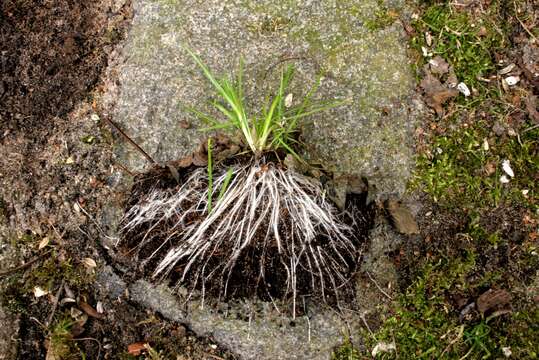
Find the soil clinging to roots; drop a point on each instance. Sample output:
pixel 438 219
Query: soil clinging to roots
pixel 271 232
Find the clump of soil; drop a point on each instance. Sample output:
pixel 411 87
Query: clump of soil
pixel 244 280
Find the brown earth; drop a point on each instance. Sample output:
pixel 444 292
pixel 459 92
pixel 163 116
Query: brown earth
pixel 54 172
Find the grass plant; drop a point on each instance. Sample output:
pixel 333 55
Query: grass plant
pixel 274 127
pixel 256 203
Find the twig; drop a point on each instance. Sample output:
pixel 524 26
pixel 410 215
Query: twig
pixel 459 335
pixel 24 266
pixel 55 303
pixel 530 128
pixel 378 286
pixel 92 339
pixel 129 140
pixel 362 317
pixel 521 23
pixel 124 168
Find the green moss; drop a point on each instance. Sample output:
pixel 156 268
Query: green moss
pixel 52 271
pixel 462 175
pixel 458 171
pixel 425 326
pixel 467 43
pixel 61 345
pixel 383 17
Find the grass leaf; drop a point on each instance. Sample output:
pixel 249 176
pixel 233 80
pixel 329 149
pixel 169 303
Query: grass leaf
pixel 210 176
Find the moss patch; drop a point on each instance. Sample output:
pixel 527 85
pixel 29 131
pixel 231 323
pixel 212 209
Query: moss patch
pixel 478 231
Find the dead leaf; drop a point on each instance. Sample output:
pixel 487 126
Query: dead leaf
pixel 452 79
pixel 137 348
pixel 531 106
pixel 89 263
pixel 228 152
pixel 184 124
pixel 436 94
pixel 80 320
pixel 383 347
pixel 184 162
pixel 90 310
pixel 507 69
pixel 174 173
pixel 67 300
pixel 99 307
pixel 39 292
pixel 490 168
pixel 200 159
pixel 410 30
pixel 438 65
pixel 512 80
pixel 463 88
pixel 44 242
pixel 492 299
pixel 402 218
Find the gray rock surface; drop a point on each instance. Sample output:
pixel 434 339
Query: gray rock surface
pixel 361 61
pixel 255 331
pixel 369 136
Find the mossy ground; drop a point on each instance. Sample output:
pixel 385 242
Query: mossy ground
pixel 477 233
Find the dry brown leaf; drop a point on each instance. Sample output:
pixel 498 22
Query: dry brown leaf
pixel 184 124
pixel 436 94
pixel 438 65
pixel 89 263
pixel 531 106
pixel 402 218
pixel 200 159
pixel 490 168
pixel 39 292
pixel 136 349
pixel 184 162
pixel 492 299
pixel 44 242
pixel 90 310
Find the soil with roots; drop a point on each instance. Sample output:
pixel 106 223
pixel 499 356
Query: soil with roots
pixel 244 279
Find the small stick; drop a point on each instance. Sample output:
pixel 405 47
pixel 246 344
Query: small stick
pixel 521 23
pixel 362 317
pixel 124 168
pixel 55 303
pixel 378 286
pixel 92 339
pixel 24 266
pixel 129 140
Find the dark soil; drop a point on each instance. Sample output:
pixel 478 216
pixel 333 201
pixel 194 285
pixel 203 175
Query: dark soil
pixel 52 54
pixel 54 171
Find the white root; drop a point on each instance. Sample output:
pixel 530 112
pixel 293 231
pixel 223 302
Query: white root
pixel 264 205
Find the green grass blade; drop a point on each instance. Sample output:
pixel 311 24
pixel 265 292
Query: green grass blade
pixel 317 110
pixel 206 118
pixel 210 176
pixel 224 187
